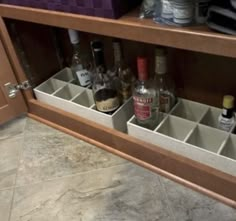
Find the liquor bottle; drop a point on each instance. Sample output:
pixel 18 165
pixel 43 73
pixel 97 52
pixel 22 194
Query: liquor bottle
pixel 123 72
pixel 145 97
pixel 164 83
pixel 105 93
pixel 80 66
pixel 227 118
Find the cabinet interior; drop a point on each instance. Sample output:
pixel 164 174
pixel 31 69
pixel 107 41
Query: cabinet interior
pixel 44 50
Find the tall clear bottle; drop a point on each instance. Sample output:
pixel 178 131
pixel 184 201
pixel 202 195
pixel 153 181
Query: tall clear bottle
pixel 145 97
pixel 104 89
pixel 163 81
pixel 80 66
pixel 122 72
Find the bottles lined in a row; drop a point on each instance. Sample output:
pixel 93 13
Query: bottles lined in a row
pixel 112 88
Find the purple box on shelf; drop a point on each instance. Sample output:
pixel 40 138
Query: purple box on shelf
pixel 100 8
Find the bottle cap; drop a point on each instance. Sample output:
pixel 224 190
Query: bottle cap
pixel 74 36
pixel 228 102
pixel 142 68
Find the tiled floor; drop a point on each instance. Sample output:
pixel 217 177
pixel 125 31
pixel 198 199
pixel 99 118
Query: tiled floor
pixel 46 175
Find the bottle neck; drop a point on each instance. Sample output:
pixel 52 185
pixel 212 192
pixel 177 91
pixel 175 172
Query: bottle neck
pixel 228 113
pixel 76 48
pixel 118 54
pixel 99 60
pixel 160 65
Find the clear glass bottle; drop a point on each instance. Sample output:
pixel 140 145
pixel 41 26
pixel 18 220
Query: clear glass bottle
pixel 145 97
pixel 163 81
pixel 80 66
pixel 123 72
pixel 104 89
pixel 183 12
pixel 227 118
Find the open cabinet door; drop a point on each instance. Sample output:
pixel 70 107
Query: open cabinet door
pixel 14 106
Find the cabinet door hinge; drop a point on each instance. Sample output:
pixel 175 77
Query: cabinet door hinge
pixel 13 89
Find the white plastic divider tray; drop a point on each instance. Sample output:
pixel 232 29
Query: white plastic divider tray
pixel 61 92
pixel 190 129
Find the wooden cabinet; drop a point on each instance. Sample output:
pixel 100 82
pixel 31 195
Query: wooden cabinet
pixel 206 73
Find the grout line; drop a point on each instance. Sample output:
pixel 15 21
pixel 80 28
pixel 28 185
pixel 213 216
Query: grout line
pixel 72 175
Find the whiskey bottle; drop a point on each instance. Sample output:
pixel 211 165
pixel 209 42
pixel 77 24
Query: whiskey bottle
pixel 81 68
pixel 163 81
pixel 105 93
pixel 145 97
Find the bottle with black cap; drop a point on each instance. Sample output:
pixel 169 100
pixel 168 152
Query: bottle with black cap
pixel 105 93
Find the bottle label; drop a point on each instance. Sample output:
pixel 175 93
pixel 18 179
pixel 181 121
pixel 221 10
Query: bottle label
pixel 225 123
pixel 108 105
pixel 167 9
pixel 143 107
pixel 84 77
pixel 161 67
pixel 165 103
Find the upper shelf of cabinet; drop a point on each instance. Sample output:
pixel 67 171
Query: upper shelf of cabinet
pixel 198 38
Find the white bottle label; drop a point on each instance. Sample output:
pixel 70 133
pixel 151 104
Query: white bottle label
pixel 167 9
pixel 84 77
pixel 225 123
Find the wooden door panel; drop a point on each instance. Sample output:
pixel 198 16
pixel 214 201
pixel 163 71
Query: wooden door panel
pixel 9 107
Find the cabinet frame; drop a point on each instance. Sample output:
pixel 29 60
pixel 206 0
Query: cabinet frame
pixel 202 178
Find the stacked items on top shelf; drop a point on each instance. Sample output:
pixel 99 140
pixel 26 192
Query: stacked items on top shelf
pixel 176 12
pixel 103 8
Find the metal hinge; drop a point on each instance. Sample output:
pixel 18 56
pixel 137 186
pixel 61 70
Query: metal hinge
pixel 13 89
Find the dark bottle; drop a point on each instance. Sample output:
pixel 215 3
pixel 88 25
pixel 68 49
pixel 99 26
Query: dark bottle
pixel 105 93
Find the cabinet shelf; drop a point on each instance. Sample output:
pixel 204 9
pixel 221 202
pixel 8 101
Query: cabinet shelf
pixel 198 38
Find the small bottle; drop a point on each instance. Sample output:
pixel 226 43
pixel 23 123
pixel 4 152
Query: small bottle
pixel 145 97
pixel 105 92
pixel 81 68
pixel 227 118
pixel 163 81
pixel 123 72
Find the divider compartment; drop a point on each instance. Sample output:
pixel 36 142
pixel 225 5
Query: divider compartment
pixel 175 127
pixel 85 99
pixel 190 110
pixel 211 117
pixel 229 149
pixel 50 86
pixel 69 92
pixel 64 75
pixel 207 138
